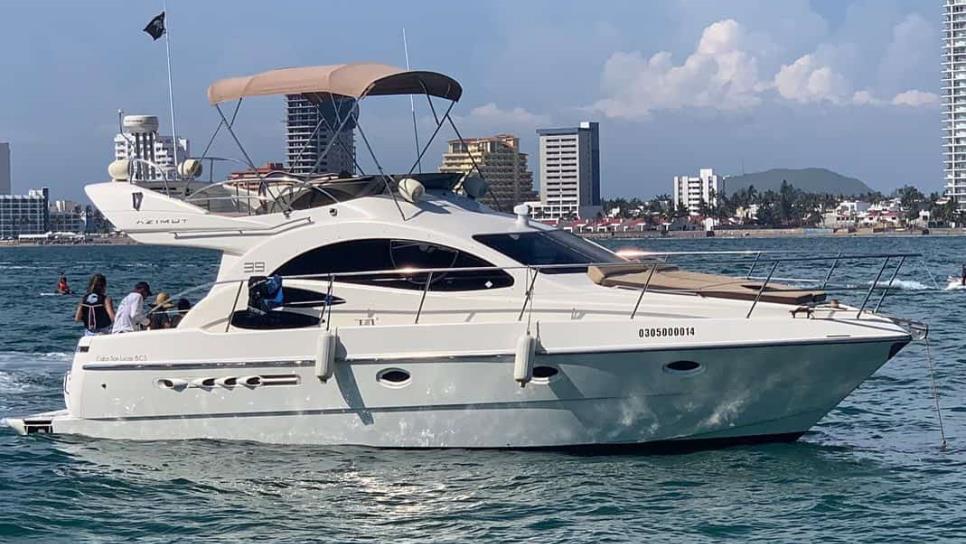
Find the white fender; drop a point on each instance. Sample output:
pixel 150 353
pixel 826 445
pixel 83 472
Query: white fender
pixel 411 190
pixel 474 186
pixel 523 359
pixel 325 355
pixel 172 383
pixel 250 381
pixel 227 381
pixel 190 168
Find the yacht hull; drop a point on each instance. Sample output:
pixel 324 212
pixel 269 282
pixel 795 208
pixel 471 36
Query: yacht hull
pixel 735 394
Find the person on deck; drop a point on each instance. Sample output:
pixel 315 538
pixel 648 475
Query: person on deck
pixel 96 309
pixel 130 314
pixel 183 306
pixel 160 315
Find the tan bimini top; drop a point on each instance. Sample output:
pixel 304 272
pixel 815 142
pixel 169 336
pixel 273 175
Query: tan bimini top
pixel 350 80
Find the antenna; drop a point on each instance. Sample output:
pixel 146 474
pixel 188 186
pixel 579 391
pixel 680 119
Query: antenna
pixel 412 107
pixel 167 51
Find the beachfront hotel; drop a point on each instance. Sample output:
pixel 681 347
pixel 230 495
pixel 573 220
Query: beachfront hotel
pixel 954 100
pixel 309 129
pixel 570 172
pixel 24 214
pixel 500 163
pixel 691 191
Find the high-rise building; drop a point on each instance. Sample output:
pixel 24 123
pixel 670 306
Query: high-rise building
pixel 691 191
pixel 140 139
pixel 570 172
pixel 310 128
pixel 4 168
pixel 24 214
pixel 954 100
pixel 500 163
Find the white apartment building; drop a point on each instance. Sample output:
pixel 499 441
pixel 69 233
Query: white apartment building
pixel 500 162
pixel 4 168
pixel 309 129
pixel 954 100
pixel 691 191
pixel 570 172
pixel 140 139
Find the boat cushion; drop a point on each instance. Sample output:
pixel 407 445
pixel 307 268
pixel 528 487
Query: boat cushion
pixel 668 278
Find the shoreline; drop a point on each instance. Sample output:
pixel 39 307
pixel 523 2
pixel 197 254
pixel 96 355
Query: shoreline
pixel 770 233
pixel 123 240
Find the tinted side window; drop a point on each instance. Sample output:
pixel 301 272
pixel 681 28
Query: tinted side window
pixel 386 254
pixel 552 248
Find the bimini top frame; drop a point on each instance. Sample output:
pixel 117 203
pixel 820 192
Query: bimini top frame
pixel 334 84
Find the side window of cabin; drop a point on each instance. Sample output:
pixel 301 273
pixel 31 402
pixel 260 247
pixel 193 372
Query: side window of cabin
pixel 398 255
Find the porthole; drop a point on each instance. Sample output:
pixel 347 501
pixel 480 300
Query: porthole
pixel 543 374
pixel 393 377
pixel 683 367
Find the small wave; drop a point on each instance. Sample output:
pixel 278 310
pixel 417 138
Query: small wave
pixel 907 285
pixel 21 357
pixel 955 285
pixel 10 384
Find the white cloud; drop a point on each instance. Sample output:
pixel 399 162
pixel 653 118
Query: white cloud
pixel 724 72
pixel 915 98
pixel 720 74
pixel 810 80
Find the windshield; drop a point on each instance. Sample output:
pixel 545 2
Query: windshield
pixel 552 247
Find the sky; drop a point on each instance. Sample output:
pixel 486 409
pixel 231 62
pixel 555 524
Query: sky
pixel 676 85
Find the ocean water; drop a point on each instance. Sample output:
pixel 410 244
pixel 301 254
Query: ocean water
pixel 871 471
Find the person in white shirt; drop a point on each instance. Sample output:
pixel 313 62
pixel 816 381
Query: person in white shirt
pixel 130 313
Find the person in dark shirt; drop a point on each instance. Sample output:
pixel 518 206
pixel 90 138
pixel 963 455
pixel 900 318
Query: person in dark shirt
pixel 183 306
pixel 96 309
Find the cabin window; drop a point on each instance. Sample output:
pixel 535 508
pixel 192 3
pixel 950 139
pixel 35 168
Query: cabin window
pixel 398 255
pixel 551 247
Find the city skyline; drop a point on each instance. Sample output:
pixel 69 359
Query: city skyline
pixel 850 86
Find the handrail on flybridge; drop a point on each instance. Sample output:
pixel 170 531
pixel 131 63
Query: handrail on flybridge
pixel 650 266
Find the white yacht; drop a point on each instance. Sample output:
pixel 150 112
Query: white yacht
pixel 397 311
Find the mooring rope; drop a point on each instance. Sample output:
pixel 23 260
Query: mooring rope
pixel 935 394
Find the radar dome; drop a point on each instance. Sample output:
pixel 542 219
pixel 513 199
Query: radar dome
pixel 140 124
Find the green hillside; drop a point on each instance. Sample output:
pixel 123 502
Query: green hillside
pixel 810 180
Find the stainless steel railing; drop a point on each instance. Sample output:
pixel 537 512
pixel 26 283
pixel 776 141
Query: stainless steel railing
pixel 532 272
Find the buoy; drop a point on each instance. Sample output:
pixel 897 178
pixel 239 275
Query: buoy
pixel 523 360
pixel 325 355
pixel 411 190
pixel 172 383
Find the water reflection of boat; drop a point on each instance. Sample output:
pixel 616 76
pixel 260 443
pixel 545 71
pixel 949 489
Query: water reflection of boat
pixel 397 311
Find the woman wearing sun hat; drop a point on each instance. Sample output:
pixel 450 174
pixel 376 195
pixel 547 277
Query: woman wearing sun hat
pixel 160 317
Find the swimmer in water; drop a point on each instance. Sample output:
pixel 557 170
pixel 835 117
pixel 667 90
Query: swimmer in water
pixel 62 287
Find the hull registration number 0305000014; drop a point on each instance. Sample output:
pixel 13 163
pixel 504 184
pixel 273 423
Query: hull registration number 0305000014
pixel 663 332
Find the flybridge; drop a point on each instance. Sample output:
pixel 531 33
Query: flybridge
pixel 261 192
